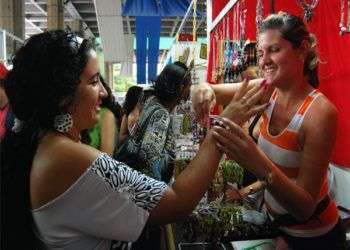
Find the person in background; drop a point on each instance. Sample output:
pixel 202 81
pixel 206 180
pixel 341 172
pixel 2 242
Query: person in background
pixel 292 155
pixel 61 194
pixel 131 108
pixel 104 134
pixel 157 148
pixel 4 105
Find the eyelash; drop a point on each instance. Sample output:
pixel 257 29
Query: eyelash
pixel 95 81
pixel 271 50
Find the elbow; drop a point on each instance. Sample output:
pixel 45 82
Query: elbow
pixel 305 212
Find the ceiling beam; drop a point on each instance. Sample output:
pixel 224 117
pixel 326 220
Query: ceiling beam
pixel 75 14
pixel 176 22
pixel 33 25
pixel 172 33
pixel 33 2
pixel 128 24
pixel 202 20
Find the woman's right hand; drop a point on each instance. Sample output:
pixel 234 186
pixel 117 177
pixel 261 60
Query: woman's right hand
pixel 233 194
pixel 245 103
pixel 203 100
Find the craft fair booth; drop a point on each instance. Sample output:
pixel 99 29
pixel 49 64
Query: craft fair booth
pixel 328 20
pixel 232 38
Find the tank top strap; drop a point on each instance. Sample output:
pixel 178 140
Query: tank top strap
pixel 298 118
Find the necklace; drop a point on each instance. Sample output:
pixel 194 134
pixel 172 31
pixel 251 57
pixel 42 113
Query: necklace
pixel 308 8
pixel 344 28
pixel 259 14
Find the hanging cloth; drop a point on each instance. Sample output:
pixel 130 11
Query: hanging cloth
pixel 147 32
pixel 164 8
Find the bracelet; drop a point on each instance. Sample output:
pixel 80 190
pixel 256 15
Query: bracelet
pixel 268 180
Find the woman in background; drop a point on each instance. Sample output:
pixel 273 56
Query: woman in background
pixel 131 108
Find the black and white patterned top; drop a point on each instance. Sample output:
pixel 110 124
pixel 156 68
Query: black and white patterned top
pixel 158 142
pixel 110 201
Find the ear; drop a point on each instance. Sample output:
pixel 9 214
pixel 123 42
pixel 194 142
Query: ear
pixel 304 48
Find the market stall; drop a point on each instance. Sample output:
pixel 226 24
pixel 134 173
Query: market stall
pixel 327 19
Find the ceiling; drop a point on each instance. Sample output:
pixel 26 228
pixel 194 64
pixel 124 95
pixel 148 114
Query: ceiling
pixel 36 18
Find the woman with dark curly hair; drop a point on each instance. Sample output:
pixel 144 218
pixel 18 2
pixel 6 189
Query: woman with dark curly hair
pixel 131 108
pixel 65 194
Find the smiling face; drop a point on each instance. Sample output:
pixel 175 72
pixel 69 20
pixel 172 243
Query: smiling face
pixel 279 62
pixel 90 93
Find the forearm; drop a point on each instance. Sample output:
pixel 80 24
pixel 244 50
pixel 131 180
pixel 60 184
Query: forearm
pixel 199 173
pixel 225 92
pixel 296 200
pixel 252 188
pixel 190 186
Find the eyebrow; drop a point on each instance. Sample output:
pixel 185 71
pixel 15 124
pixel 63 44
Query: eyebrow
pixel 97 74
pixel 269 46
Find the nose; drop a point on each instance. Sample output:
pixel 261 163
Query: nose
pixel 103 91
pixel 264 59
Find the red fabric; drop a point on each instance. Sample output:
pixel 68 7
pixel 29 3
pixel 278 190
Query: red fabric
pixel 3 114
pixel 3 71
pixel 185 37
pixel 334 51
pixel 217 6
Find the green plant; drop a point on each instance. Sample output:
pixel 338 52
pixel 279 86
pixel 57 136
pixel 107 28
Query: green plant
pixel 231 172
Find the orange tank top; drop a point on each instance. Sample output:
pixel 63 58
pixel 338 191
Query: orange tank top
pixel 283 150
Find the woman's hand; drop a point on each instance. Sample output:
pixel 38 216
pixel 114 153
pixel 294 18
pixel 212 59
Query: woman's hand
pixel 232 141
pixel 245 103
pixel 234 194
pixel 203 100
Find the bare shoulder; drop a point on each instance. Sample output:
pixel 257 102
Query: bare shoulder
pixel 321 119
pixel 108 115
pixel 322 110
pixel 59 151
pixel 58 164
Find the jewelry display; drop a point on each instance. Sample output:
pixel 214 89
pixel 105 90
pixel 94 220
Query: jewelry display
pixel 259 14
pixel 308 8
pixel 344 28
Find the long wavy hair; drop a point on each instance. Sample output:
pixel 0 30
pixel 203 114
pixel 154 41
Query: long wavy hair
pixel 42 83
pixel 167 87
pixel 110 103
pixel 132 98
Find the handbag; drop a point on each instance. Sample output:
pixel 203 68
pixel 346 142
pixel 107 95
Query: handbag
pixel 128 151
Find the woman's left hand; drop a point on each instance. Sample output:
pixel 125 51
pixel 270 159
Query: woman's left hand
pixel 240 147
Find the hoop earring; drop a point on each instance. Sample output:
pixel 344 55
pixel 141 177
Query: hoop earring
pixel 63 122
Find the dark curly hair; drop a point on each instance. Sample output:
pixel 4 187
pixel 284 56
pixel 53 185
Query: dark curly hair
pixel 132 97
pixel 42 83
pixel 110 103
pixel 168 83
pixel 294 30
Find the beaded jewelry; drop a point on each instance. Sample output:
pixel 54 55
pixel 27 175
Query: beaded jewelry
pixel 344 28
pixel 308 8
pixel 63 122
